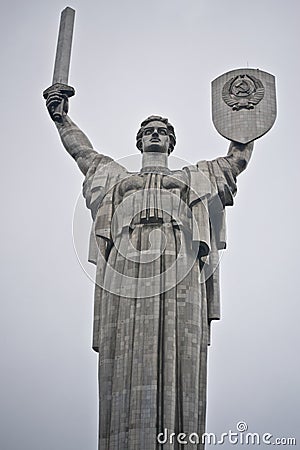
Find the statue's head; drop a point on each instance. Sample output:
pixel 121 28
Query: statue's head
pixel 156 135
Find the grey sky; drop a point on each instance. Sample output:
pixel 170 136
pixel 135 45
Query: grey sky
pixel 132 59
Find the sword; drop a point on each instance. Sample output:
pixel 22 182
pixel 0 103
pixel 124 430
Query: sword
pixel 62 64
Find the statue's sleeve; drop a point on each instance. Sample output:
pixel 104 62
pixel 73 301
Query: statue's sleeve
pixel 223 171
pixel 98 185
pixel 99 178
pixel 218 178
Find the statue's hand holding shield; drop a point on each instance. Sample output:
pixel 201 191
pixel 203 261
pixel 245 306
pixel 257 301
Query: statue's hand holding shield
pixel 244 104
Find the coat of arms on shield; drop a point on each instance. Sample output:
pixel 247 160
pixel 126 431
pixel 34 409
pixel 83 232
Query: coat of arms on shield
pixel 244 104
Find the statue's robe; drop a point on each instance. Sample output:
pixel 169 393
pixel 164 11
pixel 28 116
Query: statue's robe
pixel 152 317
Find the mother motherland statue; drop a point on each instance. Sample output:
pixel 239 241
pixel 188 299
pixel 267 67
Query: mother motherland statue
pixel 155 240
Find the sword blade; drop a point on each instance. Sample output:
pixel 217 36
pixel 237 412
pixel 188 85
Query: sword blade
pixel 64 45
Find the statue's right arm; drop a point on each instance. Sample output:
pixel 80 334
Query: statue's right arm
pixel 76 143
pixel 74 140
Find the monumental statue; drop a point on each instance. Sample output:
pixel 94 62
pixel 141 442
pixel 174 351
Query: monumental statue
pixel 155 239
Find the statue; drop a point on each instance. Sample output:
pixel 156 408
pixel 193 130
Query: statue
pixel 155 240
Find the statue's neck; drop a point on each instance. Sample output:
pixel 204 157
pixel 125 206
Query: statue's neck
pixel 154 159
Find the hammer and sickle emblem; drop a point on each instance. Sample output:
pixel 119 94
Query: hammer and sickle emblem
pixel 243 92
pixel 242 88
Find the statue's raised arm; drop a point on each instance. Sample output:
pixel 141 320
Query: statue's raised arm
pixel 57 98
pixel 73 138
pixel 238 156
pixel 225 170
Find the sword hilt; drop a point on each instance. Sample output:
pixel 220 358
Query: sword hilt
pixel 60 108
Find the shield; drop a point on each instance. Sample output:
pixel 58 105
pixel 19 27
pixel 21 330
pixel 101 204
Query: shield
pixel 244 104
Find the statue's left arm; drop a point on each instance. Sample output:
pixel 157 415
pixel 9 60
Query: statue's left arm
pixel 238 156
pixel 225 170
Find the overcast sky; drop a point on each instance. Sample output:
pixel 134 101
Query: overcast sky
pixel 131 59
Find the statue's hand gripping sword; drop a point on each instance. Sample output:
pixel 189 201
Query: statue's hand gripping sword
pixel 60 88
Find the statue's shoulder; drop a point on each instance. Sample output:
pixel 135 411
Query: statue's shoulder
pixel 106 163
pixel 101 176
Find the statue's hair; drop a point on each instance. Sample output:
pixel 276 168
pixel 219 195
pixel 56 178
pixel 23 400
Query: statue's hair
pixel 170 129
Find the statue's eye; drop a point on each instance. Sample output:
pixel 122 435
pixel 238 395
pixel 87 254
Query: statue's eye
pixel 147 131
pixel 163 131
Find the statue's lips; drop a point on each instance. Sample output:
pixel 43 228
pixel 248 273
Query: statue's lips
pixel 154 140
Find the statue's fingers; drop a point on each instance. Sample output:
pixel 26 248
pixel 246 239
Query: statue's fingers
pixel 55 97
pixel 55 100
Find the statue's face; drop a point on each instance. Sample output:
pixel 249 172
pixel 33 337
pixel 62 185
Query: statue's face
pixel 156 138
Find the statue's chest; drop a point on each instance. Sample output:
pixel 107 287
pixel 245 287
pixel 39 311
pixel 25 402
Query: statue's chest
pixel 152 197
